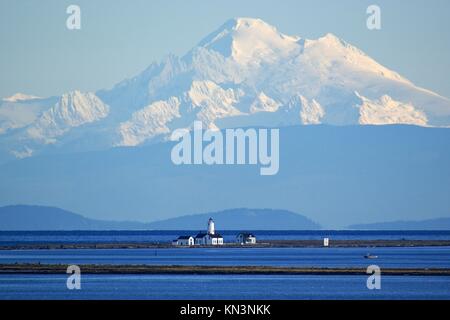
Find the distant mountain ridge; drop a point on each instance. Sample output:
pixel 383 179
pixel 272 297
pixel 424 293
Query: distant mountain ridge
pixel 431 224
pixel 35 218
pixel 333 174
pixel 240 219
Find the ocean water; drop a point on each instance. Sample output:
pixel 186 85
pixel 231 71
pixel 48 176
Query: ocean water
pixel 22 237
pixel 208 287
pixel 110 286
pixel 393 257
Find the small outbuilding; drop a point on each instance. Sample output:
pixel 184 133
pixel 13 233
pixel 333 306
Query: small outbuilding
pixel 246 238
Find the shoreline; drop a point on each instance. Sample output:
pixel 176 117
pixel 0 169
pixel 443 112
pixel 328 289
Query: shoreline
pixel 33 268
pixel 261 244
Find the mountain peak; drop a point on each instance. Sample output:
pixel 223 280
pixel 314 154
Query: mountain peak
pixel 20 97
pixel 245 23
pixel 330 37
pixel 249 40
pixel 251 23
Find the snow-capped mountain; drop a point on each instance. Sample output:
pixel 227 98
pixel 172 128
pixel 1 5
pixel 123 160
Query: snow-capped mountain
pixel 72 110
pixel 244 73
pixel 20 97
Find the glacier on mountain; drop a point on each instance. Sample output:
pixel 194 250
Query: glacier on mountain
pixel 72 110
pixel 246 73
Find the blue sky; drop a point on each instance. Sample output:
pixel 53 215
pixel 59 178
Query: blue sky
pixel 118 39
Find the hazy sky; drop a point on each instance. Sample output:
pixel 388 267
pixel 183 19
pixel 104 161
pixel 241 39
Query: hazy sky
pixel 120 38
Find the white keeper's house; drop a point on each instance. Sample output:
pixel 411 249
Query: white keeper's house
pixel 184 241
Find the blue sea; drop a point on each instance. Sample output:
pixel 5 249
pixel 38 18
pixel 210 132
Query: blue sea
pixel 227 286
pixel 21 237
pixel 410 257
pixel 208 287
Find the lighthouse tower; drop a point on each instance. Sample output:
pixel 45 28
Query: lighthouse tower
pixel 210 226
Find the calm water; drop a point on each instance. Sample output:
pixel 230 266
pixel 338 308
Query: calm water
pixel 15 237
pixel 424 257
pixel 223 287
pixel 231 286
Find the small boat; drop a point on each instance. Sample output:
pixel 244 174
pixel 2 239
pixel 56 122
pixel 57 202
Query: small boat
pixel 370 256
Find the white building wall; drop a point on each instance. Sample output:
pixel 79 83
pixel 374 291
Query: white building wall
pixel 247 240
pixel 184 242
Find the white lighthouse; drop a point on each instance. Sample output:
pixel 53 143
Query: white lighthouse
pixel 208 238
pixel 210 226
